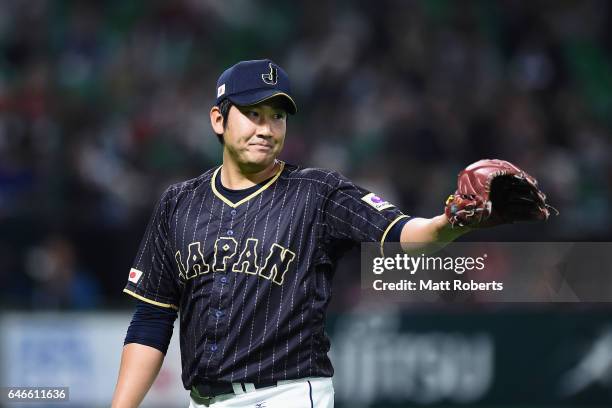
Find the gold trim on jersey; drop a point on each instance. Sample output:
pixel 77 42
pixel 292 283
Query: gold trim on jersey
pixel 244 200
pixel 144 299
pixel 382 240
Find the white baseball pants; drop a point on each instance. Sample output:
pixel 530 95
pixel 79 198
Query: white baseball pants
pixel 315 392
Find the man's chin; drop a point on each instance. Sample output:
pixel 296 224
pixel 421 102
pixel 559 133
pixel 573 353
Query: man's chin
pixel 259 162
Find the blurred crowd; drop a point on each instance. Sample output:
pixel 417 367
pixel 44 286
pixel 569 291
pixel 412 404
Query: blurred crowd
pixel 104 104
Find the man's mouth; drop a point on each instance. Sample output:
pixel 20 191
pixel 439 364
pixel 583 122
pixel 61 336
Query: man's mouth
pixel 261 145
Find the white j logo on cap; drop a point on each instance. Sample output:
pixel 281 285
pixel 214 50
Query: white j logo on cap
pixel 271 77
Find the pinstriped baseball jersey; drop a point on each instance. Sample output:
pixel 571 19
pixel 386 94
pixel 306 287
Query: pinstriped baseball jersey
pixel 252 279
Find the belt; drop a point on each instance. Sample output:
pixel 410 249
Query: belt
pixel 213 389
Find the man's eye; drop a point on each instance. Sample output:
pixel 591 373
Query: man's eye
pixel 279 116
pixel 253 113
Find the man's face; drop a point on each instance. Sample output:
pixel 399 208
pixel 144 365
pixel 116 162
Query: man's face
pixel 254 135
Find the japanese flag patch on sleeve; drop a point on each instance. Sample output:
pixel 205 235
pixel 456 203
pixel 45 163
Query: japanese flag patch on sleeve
pixel 376 202
pixel 135 275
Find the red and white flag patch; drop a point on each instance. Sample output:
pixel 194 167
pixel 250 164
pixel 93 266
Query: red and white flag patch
pixel 135 275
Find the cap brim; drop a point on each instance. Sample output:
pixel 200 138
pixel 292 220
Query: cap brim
pixel 259 95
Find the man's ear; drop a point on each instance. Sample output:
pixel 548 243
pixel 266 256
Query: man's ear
pixel 216 120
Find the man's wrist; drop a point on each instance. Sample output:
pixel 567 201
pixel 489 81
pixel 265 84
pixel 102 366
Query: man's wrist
pixel 446 231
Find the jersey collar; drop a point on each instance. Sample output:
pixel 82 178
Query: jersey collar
pixel 244 200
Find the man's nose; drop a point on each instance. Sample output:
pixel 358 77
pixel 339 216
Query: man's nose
pixel 264 129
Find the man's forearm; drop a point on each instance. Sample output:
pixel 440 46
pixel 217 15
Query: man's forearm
pixel 419 232
pixel 139 366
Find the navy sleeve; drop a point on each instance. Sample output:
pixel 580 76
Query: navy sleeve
pixel 153 277
pixel 151 326
pixel 395 233
pixel 352 212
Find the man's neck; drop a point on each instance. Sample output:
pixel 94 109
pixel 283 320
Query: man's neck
pixel 234 177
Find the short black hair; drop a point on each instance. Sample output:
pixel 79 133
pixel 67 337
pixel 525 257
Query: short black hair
pixel 224 107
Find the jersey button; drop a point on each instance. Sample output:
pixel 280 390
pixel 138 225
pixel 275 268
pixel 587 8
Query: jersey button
pixel 219 313
pixel 230 232
pixel 223 279
pixel 213 347
pixel 233 212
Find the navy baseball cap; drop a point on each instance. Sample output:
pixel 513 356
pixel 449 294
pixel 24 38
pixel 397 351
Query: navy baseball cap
pixel 251 82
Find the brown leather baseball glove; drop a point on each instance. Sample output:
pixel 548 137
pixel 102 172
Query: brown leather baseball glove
pixel 492 192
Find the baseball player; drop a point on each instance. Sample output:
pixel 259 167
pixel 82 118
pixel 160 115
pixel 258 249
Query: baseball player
pixel 246 253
